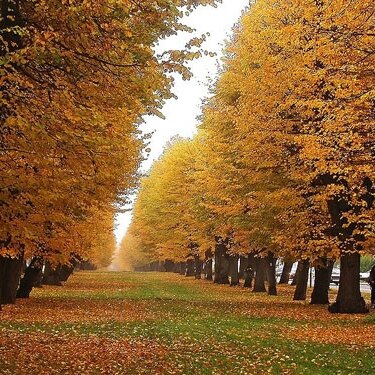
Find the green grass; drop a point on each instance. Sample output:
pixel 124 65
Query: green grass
pixel 204 328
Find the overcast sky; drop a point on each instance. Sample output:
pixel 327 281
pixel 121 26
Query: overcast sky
pixel 181 114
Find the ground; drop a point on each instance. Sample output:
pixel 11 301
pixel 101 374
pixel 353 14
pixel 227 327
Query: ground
pixel 158 323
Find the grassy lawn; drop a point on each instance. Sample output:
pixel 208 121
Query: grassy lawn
pixel 134 323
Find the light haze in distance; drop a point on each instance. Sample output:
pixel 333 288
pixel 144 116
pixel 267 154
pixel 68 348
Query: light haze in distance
pixel 181 114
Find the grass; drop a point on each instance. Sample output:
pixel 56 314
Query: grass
pixel 157 323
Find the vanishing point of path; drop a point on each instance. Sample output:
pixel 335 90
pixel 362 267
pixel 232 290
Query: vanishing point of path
pixel 157 323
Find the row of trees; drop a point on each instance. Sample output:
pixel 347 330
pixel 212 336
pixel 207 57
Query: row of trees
pixel 76 77
pixel 283 162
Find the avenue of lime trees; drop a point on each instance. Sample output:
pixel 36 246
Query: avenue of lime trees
pixel 282 165
pixel 76 79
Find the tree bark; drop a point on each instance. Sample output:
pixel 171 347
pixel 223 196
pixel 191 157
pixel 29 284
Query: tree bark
pixel 302 278
pixel 86 265
pixel 209 269
pixel 65 271
pixel 349 299
pixel 32 275
pixel 168 266
pixel 260 275
pixel 271 273
pixel 197 267
pixel 182 268
pixel 285 274
pixel 51 276
pixel 10 275
pixel 294 281
pixel 221 264
pixel 243 266
pixel 190 271
pixel 176 268
pixel 249 271
pixel 233 268
pixel 323 273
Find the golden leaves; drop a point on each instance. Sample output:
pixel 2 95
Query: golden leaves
pixel 286 133
pixel 133 323
pixel 74 88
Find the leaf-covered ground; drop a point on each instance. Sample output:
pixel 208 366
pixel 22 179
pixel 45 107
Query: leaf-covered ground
pixel 133 323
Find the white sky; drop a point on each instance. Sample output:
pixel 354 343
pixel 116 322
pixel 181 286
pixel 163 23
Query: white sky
pixel 180 115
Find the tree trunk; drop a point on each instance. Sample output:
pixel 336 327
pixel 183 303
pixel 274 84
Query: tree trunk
pixel 86 265
pixel 221 264
pixel 233 268
pixel 197 267
pixel 302 278
pixel 204 269
pixel 323 273
pixel 249 271
pixel 209 269
pixel 11 269
pixel 260 275
pixel 349 299
pixel 271 273
pixel 39 280
pixel 65 271
pixel 190 271
pixel 243 266
pixel 285 274
pixel 154 266
pixel 168 266
pixel 32 275
pixel 182 268
pixel 51 276
pixel 294 281
pixel 176 268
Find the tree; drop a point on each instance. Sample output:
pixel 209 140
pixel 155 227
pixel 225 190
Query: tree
pixel 76 79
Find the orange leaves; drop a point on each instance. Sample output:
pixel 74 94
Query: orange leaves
pixel 48 353
pixel 159 323
pixel 287 132
pixel 70 144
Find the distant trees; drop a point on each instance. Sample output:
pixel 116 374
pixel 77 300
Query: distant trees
pixel 284 157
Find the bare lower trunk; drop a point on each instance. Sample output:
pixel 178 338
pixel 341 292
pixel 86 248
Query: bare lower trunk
pixel 197 267
pixel 249 271
pixel 221 264
pixel 32 275
pixel 323 273
pixel 176 268
pixel 349 299
pixel 65 271
pixel 271 273
pixel 233 268
pixel 190 268
pixel 51 275
pixel 182 268
pixel 243 266
pixel 302 278
pixel 86 265
pixel 209 269
pixel 294 281
pixel 285 275
pixel 260 276
pixel 10 274
pixel 168 265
